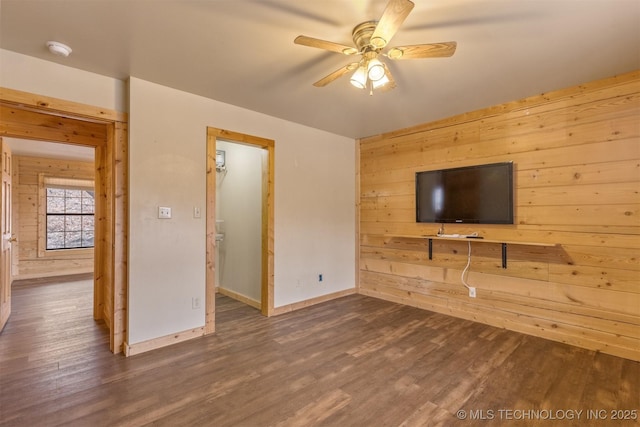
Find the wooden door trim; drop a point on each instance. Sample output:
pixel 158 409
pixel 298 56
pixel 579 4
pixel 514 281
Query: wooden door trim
pixel 267 280
pixel 110 259
pixel 61 107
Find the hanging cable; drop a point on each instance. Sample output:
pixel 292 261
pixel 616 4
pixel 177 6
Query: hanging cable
pixel 464 272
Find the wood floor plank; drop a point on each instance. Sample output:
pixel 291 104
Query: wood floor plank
pixel 355 361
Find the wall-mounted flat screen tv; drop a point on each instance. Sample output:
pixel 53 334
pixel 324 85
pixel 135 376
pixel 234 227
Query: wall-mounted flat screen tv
pixel 481 194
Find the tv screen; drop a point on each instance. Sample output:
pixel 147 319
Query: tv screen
pixel 480 194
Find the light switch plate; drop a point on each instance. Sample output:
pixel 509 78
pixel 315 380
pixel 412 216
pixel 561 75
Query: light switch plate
pixel 164 212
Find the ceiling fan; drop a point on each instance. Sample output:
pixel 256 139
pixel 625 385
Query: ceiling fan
pixel 370 39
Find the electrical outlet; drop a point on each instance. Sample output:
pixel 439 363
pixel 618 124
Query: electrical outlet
pixel 320 277
pixel 164 212
pixel 472 292
pixel 196 212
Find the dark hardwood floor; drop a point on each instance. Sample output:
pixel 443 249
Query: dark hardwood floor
pixel 356 361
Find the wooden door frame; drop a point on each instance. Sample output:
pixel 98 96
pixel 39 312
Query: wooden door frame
pixel 267 276
pixel 51 115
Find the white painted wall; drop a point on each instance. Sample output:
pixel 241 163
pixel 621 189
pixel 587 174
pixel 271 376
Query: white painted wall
pixel 167 168
pixel 315 211
pixel 239 204
pixel 314 206
pixel 314 192
pixel 34 75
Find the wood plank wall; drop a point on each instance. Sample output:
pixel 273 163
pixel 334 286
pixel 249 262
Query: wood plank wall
pixel 577 175
pixel 29 263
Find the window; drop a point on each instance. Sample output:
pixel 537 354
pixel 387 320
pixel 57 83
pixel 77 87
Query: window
pixel 70 217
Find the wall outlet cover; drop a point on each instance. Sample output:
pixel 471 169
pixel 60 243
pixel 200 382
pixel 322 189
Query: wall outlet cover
pixel 164 212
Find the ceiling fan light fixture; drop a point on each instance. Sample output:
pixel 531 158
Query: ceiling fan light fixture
pixel 359 78
pixel 370 38
pixel 375 70
pixel 381 82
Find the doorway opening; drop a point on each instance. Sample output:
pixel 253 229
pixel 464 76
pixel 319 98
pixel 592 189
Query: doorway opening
pixel 239 221
pixel 52 215
pixel 35 117
pixel 256 154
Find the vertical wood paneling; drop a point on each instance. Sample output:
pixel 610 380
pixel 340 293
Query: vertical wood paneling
pixel 577 164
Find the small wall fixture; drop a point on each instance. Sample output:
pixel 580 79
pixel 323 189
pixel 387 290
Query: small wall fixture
pixel 220 161
pixel 59 49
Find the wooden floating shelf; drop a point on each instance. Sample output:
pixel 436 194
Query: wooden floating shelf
pixel 474 239
pixel 504 243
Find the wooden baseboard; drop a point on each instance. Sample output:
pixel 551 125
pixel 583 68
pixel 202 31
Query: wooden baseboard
pixel 313 301
pixel 152 344
pixel 239 297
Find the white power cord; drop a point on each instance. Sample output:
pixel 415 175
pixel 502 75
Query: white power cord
pixel 472 290
pixel 464 272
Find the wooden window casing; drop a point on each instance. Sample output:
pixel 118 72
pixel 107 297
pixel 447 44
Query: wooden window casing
pixel 69 217
pixel 45 182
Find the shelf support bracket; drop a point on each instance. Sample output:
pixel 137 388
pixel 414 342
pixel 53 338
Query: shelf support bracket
pixel 504 255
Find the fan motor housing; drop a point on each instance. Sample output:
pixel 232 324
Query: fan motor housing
pixel 362 35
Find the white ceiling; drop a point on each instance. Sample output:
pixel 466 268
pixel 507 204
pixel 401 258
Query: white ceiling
pixel 241 52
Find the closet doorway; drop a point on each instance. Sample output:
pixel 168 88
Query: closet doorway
pixel 224 150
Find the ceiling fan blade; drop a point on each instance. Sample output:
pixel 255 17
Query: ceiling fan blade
pixel 432 50
pixel 392 18
pixel 326 45
pixel 336 74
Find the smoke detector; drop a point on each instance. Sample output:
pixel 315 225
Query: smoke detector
pixel 59 49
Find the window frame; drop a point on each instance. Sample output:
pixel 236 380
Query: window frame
pixel 45 181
